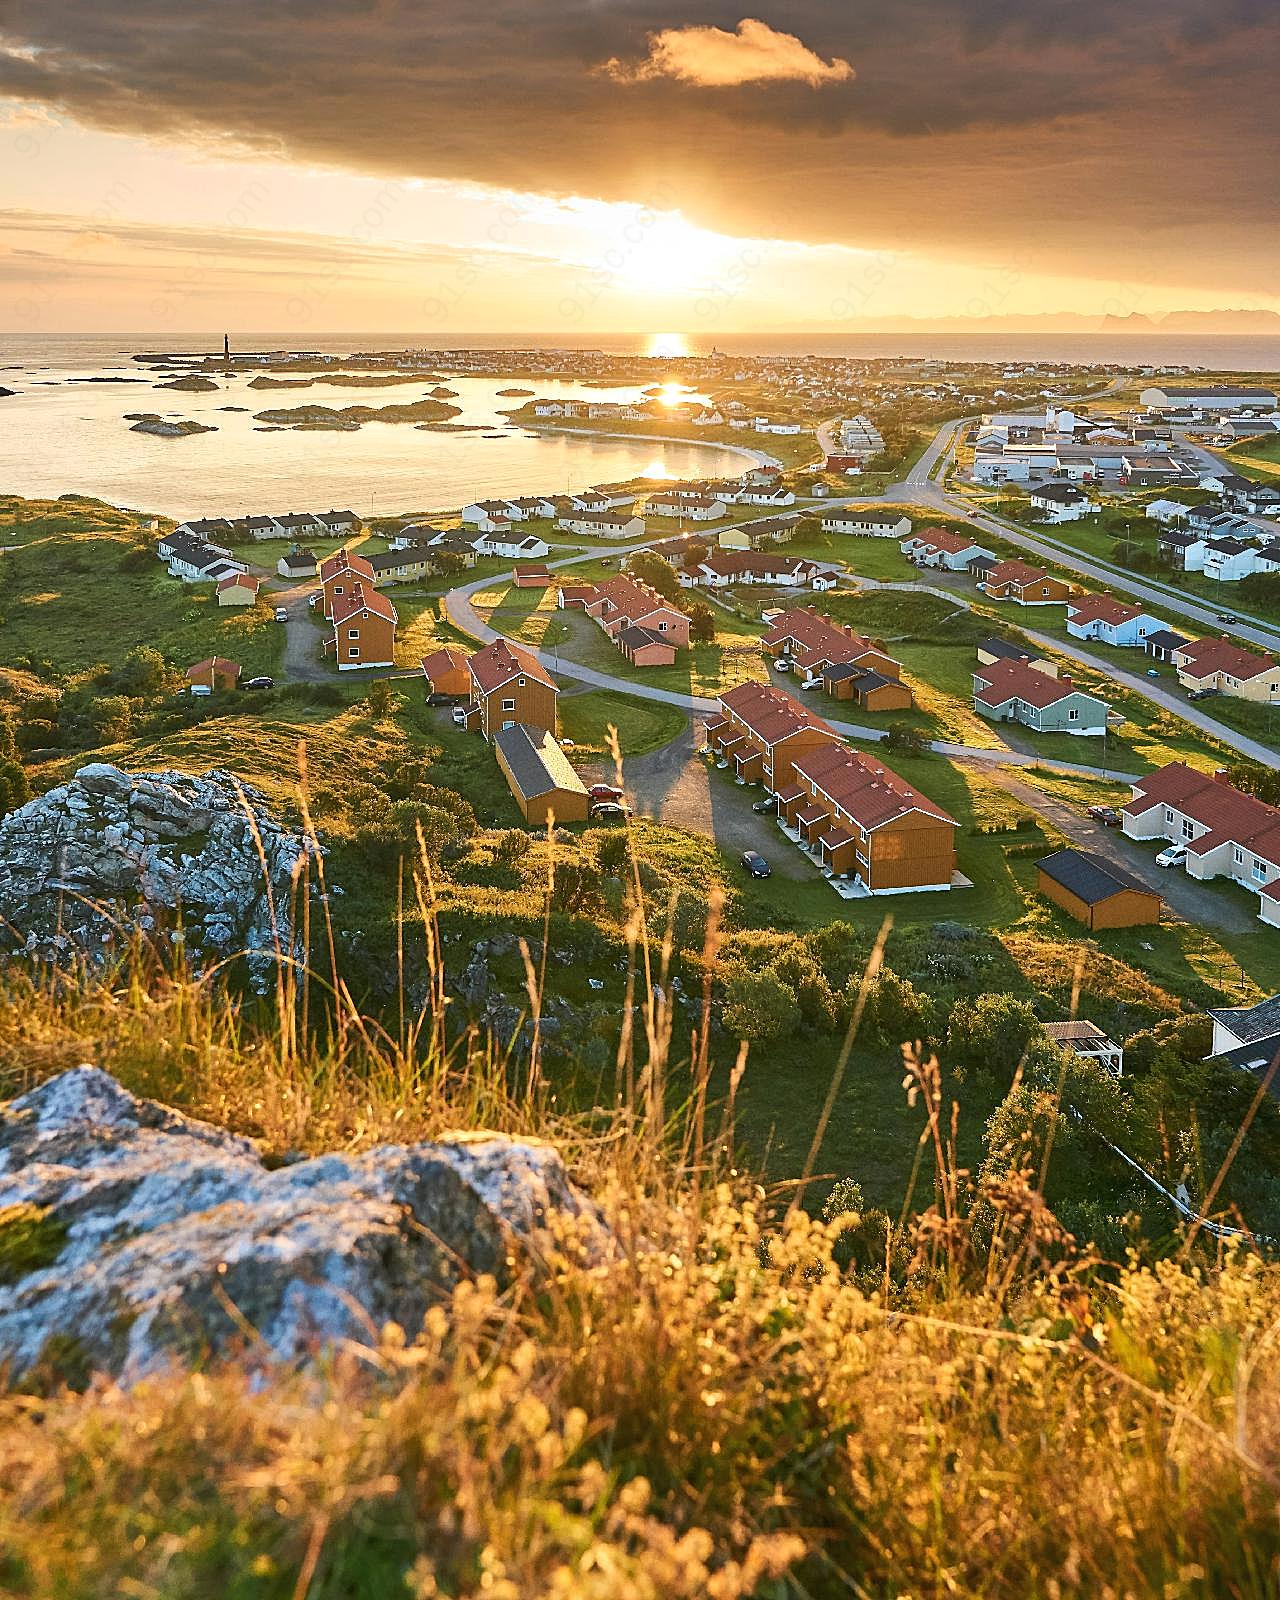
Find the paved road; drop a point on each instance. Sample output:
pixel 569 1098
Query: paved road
pixel 1253 749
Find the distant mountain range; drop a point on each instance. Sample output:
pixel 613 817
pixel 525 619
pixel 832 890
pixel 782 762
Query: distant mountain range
pixel 1226 321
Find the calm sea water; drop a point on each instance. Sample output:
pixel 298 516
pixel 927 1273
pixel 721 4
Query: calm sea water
pixel 60 436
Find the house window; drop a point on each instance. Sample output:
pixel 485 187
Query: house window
pixel 354 651
pixel 1260 870
pixel 1168 814
pixel 1073 715
pixel 1239 856
pixel 662 627
pixel 1188 828
pixel 353 633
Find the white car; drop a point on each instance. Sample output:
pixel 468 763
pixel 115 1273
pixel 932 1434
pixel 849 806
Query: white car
pixel 1174 856
pixel 782 665
pixel 281 614
pixel 459 716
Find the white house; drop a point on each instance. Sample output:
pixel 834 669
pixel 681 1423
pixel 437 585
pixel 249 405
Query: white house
pixel 1061 502
pixel 1227 833
pixel 866 524
pixel 512 546
pixel 1167 512
pixel 1229 560
pixel 940 548
pixel 751 494
pixel 1109 621
pixel 527 507
pixel 486 514
pixel 682 503
pixel 602 524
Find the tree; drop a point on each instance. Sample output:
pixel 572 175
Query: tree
pixel 991 1031
pixel 381 699
pixel 1261 781
pixel 758 1006
pixel 143 674
pixel 658 573
pixel 702 623
pixel 905 739
pixel 896 1010
pixel 15 790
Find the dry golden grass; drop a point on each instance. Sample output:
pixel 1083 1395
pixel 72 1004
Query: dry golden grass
pixel 716 1409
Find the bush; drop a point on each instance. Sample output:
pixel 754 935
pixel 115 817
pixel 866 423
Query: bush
pixel 991 1032
pixel 15 789
pixel 759 1007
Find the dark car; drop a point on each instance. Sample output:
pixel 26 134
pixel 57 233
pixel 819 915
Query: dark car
pixel 756 864
pixel 438 698
pixel 1201 694
pixel 1108 816
pixel 259 683
pixel 610 811
pixel 1227 616
pixel 766 806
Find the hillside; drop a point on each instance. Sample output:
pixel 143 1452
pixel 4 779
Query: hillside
pixel 742 1400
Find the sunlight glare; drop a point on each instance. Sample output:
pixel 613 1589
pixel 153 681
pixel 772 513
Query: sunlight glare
pixel 668 345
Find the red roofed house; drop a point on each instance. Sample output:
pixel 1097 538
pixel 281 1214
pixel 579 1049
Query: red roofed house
pixel 531 575
pixel 240 589
pixel 1228 667
pixel 509 685
pixel 215 673
pixel 939 547
pixel 861 821
pixel 364 628
pixel 1024 585
pixel 761 730
pixel 1013 691
pixel 1110 621
pixel 851 666
pixel 1228 834
pixel 339 574
pixel 624 602
pixel 446 671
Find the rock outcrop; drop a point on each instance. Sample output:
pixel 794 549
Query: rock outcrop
pixel 112 851
pixel 138 1236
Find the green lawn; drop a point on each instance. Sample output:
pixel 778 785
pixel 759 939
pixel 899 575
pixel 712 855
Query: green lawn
pixel 642 725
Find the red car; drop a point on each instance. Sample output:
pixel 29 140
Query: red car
pixel 604 791
pixel 1108 816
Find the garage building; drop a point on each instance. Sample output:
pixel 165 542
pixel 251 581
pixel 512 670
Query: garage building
pixel 1095 892
pixel 539 775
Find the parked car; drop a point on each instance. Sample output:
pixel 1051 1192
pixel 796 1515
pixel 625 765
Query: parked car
pixel 1201 694
pixel 437 697
pixel 567 744
pixel 199 690
pixel 782 665
pixel 282 614
pixel 262 682
pixel 1153 672
pixel 1108 816
pixel 766 806
pixel 1227 617
pixel 610 811
pixel 604 791
pixel 459 716
pixel 811 683
pixel 756 864
pixel 1173 856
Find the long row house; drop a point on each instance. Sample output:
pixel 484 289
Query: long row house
pixel 867 829
pixel 832 656
pixel 646 628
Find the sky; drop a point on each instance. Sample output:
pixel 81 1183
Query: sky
pixel 618 165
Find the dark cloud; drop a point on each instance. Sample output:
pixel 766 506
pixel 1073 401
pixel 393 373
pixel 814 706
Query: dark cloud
pixel 1078 136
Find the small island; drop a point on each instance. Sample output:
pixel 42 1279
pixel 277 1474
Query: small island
pixel 350 417
pixel 191 385
pixel 165 427
pixel 514 394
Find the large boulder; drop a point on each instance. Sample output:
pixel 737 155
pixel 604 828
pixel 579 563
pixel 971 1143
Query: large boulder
pixel 113 850
pixel 132 1236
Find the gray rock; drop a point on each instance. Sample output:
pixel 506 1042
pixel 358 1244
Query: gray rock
pixel 169 1240
pixel 112 849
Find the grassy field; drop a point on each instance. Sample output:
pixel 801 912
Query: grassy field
pixel 83 599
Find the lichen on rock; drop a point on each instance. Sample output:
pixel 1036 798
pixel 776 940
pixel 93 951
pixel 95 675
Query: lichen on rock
pixel 174 1241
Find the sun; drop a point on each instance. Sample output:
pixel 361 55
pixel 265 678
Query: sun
pixel 665 254
pixel 667 346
